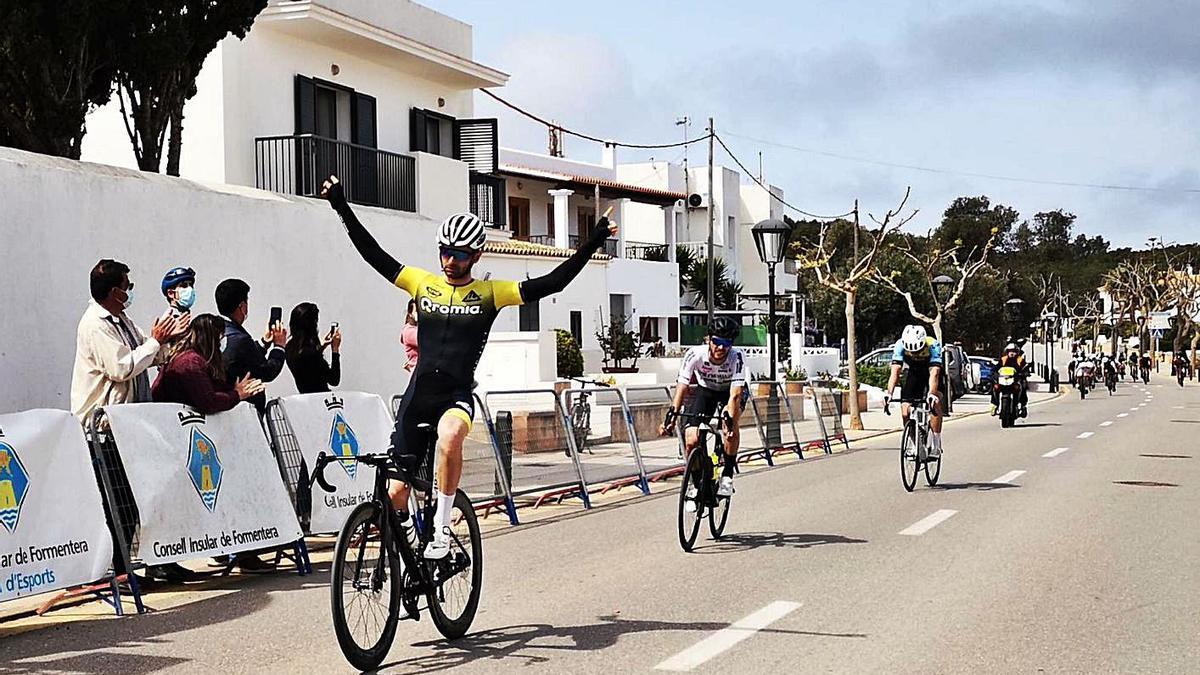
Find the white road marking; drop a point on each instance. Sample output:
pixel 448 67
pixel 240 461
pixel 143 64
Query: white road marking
pixel 726 638
pixel 1178 407
pixel 1055 452
pixel 928 523
pixel 1122 414
pixel 1009 477
pixel 1086 434
pixel 1134 409
pixel 1106 423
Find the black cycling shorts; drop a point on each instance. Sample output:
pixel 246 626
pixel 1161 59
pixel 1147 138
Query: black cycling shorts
pixel 706 403
pixel 429 397
pixel 916 383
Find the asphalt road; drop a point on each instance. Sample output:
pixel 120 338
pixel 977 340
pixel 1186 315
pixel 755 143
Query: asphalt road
pixel 1084 562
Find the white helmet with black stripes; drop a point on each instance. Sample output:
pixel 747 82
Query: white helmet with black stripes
pixel 462 231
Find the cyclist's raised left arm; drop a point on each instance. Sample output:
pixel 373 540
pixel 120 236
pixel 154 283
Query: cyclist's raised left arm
pixel 387 266
pixel 558 278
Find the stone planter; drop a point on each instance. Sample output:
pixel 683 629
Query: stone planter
pixel 760 389
pixel 844 403
pixel 795 387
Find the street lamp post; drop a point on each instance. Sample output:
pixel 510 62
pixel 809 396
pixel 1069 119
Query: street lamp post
pixel 1051 333
pixel 771 239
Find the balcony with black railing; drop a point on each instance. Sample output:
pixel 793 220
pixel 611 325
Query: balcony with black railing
pixel 298 164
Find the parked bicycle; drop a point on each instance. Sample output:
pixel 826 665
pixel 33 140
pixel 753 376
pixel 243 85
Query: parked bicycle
pixel 379 567
pixel 698 496
pixel 914 447
pixel 581 414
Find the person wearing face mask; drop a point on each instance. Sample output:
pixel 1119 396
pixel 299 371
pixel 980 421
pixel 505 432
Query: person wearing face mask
pixel 112 354
pixel 179 288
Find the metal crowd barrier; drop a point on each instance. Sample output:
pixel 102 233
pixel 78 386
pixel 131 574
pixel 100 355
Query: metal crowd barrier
pixel 773 420
pixel 290 458
pixel 119 508
pixel 601 433
pixel 829 416
pixel 532 439
pixel 647 406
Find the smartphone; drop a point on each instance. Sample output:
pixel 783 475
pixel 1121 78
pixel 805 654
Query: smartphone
pixel 333 328
pixel 276 316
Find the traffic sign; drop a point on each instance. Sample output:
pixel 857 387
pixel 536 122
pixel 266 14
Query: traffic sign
pixel 1156 333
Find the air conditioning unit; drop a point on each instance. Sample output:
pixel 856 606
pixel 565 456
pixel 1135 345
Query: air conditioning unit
pixel 698 200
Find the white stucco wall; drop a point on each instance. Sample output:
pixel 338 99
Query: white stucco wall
pixel 441 186
pixel 63 216
pixel 757 206
pixel 409 19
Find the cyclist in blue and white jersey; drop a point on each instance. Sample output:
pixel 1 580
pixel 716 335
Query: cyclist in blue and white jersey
pixel 926 377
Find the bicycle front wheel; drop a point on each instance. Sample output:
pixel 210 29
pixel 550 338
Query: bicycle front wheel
pixel 365 589
pixel 909 462
pixel 692 490
pixel 458 577
pixel 718 515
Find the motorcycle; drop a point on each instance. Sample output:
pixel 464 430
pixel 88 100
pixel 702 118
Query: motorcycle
pixel 1083 382
pixel 1008 385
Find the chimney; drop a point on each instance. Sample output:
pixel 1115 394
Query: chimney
pixel 609 158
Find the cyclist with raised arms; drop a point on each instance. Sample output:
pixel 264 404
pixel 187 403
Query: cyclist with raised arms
pixel 718 369
pixel 455 314
pixel 923 356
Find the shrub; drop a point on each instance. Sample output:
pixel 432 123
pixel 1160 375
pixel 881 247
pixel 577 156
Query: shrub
pixel 876 376
pixel 570 358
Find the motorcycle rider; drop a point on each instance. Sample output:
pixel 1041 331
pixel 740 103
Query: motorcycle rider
pixel 1109 368
pixel 1012 358
pixel 1181 366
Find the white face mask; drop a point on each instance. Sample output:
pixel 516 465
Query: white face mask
pixel 128 299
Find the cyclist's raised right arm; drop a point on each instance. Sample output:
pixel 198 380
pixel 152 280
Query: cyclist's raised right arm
pixel 387 266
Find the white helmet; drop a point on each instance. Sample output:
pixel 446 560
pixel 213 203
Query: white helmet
pixel 913 338
pixel 463 231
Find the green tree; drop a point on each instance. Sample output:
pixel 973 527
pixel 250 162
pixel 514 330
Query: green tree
pixel 726 290
pixel 971 223
pixel 157 75
pixel 56 64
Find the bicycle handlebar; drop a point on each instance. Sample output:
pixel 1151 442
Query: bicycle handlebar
pixel 595 383
pixel 378 461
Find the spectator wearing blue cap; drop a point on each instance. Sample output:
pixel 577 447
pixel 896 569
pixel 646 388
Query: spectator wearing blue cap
pixel 179 288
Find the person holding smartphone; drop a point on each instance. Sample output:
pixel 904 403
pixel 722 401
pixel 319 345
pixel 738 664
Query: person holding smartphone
pixel 242 354
pixel 305 351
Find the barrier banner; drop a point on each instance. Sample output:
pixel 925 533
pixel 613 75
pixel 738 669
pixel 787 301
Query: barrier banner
pixel 52 530
pixel 205 485
pixel 342 423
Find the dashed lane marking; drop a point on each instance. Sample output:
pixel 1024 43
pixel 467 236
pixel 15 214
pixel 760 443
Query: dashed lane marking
pixel 1086 434
pixel 726 638
pixel 928 523
pixel 1009 477
pixel 1055 452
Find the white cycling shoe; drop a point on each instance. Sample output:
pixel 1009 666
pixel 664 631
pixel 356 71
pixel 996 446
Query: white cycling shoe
pixel 725 486
pixel 934 451
pixel 440 546
pixel 689 502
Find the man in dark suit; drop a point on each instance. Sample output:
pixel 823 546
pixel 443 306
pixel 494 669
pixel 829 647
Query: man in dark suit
pixel 242 354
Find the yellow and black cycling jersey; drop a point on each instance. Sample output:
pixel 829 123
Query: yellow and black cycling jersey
pixel 453 322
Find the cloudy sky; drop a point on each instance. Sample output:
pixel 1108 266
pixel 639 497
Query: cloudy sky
pixel 861 99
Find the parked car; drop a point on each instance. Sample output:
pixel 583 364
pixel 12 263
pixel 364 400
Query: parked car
pixel 983 367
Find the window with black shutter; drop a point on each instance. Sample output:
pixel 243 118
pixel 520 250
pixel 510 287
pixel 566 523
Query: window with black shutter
pixel 529 317
pixel 431 132
pixel 577 327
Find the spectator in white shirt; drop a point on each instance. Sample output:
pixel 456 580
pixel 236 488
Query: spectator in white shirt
pixel 111 353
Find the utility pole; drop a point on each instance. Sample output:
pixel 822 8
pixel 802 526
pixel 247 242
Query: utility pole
pixel 685 122
pixel 855 232
pixel 711 217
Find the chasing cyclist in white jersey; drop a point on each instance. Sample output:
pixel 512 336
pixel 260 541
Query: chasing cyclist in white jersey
pixel 718 369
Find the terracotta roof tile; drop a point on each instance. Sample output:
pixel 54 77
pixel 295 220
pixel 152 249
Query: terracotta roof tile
pixel 516 169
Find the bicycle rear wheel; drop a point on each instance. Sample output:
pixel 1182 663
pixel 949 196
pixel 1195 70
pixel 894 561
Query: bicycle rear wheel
pixel 365 588
pixel 933 469
pixel 458 578
pixel 909 462
pixel 694 477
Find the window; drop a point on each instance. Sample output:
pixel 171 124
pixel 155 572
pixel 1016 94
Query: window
pixel 331 110
pixel 431 132
pixel 550 219
pixel 585 220
pixel 577 327
pixel 529 319
pixel 518 217
pixel 673 329
pixel 731 238
pixel 648 328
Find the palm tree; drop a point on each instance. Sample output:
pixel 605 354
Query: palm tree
pixel 726 291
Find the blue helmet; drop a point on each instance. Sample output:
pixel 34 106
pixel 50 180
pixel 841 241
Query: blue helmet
pixel 177 276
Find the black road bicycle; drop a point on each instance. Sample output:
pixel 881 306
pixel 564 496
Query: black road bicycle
pixel 581 415
pixel 703 470
pixel 914 447
pixel 379 573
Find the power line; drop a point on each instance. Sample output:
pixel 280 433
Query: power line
pixel 768 190
pixel 970 174
pixel 587 137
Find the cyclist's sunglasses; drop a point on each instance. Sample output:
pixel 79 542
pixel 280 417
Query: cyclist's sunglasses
pixel 459 255
pixel 720 342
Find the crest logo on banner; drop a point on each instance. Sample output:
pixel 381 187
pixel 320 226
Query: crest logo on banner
pixel 14 485
pixel 203 463
pixel 342 440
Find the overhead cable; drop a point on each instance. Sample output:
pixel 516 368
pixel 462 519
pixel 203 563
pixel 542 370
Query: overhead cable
pixel 768 190
pixel 970 174
pixel 588 137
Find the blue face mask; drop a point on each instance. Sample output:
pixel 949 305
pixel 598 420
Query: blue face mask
pixel 186 297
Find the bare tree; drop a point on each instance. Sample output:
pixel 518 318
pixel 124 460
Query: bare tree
pixel 820 256
pixel 1140 288
pixel 959 264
